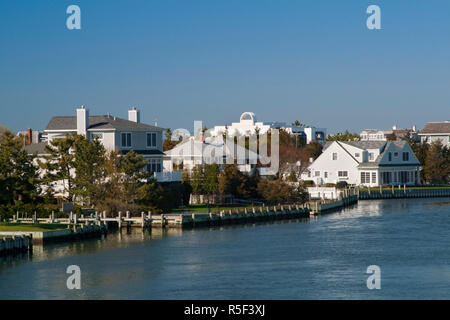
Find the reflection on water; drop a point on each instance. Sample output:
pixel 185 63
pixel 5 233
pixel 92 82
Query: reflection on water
pixel 321 257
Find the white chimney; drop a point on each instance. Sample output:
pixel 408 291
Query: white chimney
pixel 134 115
pixel 394 127
pixel 82 121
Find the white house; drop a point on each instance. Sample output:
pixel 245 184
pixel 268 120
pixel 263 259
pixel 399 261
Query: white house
pixel 199 150
pixel 116 134
pixel 248 125
pixel 383 135
pixel 436 131
pixel 366 163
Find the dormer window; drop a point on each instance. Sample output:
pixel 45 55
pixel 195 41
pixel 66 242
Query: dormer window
pixel 405 156
pixel 357 155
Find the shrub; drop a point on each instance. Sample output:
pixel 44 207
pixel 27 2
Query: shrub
pixel 341 184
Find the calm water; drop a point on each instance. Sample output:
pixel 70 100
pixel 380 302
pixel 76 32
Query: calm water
pixel 320 258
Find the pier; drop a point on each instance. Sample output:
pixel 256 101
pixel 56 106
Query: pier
pixel 402 192
pixel 15 243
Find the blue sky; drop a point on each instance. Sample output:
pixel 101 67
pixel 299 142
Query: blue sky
pixel 185 60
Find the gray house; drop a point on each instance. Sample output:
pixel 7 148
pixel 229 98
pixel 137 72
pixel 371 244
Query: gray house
pixel 116 134
pixel 436 131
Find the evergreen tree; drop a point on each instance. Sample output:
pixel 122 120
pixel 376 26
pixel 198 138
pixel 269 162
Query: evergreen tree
pixel 89 161
pixel 58 165
pixel 18 175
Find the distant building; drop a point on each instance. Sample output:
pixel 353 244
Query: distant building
pixel 365 163
pixel 248 125
pixel 30 136
pixel 436 131
pixel 383 135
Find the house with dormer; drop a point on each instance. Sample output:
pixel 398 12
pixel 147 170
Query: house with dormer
pixel 365 163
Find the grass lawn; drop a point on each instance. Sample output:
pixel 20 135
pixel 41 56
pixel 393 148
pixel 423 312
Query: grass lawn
pixel 29 227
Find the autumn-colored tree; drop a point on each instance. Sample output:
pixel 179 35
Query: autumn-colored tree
pixel 437 163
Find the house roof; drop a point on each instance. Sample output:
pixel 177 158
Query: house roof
pixel 36 148
pixel 365 144
pixel 97 122
pixel 145 152
pixel 399 144
pixel 436 127
pixel 211 146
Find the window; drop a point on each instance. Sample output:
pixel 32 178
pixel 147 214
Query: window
pixel 390 156
pixel 365 177
pixel 334 156
pixel 386 177
pixel 342 173
pixel 317 173
pixel 405 156
pixel 371 156
pixel 309 174
pixel 126 139
pixel 396 154
pixel 325 174
pixel 151 139
pixel 357 155
pixel 374 177
pixel 154 165
pixel 97 135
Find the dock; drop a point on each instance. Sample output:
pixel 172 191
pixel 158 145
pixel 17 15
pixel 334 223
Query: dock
pixel 402 192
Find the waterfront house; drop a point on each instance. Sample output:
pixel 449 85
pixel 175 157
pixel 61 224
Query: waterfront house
pixel 436 131
pixel 116 134
pixel 365 163
pixel 200 150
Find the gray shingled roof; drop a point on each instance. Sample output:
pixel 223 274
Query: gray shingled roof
pixel 36 148
pixel 365 144
pixel 436 127
pixel 97 122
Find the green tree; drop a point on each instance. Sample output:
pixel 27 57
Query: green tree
pixel 211 176
pixel 58 165
pixel 437 163
pixel 18 175
pixel 89 161
pixel 125 185
pixel 343 136
pixel 232 181
pixel 198 179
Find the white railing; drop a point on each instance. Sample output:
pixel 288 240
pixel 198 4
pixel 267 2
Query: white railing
pixel 167 176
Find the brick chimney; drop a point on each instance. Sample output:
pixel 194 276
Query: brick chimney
pixel 29 136
pixel 82 121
